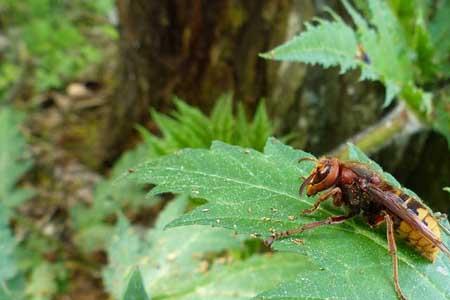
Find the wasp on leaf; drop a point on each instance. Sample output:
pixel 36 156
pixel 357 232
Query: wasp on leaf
pixel 364 192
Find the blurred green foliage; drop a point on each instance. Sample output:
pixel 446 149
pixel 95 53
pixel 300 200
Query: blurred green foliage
pixel 50 41
pixel 185 127
pixel 14 162
pixel 14 158
pixel 24 274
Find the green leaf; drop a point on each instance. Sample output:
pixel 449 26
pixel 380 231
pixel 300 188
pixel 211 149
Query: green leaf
pixel 14 161
pixel 222 119
pixel 8 268
pixel 328 44
pixel 163 256
pixel 189 127
pixel 186 255
pixel 124 252
pixel 261 127
pixel 59 47
pixel 43 284
pixel 413 16
pixel 333 43
pixel 439 31
pixel 386 47
pixel 92 231
pixel 11 282
pixel 447 189
pixel 246 279
pixel 256 193
pixel 135 289
pixel 13 289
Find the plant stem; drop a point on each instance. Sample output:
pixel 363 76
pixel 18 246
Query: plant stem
pixel 397 123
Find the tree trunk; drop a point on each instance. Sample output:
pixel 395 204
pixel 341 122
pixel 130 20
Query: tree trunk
pixel 194 49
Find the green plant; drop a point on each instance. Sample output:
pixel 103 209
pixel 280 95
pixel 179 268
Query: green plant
pixel 187 126
pixel 13 159
pixel 254 193
pixel 205 262
pixel 14 162
pixel 51 40
pixel 10 278
pixel 24 273
pixel 405 51
pixel 135 288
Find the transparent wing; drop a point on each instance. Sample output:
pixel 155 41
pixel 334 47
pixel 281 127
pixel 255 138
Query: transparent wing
pixel 393 204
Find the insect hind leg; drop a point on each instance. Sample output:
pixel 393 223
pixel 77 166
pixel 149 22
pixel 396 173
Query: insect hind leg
pixel 328 221
pixel 393 252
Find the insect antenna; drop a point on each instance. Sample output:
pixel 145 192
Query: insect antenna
pixel 306 182
pixel 308 158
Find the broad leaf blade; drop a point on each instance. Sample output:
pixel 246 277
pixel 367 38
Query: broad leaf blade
pixel 328 44
pixel 181 255
pixel 252 192
pixel 246 279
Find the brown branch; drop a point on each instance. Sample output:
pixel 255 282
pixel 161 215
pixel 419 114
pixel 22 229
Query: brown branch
pixel 397 123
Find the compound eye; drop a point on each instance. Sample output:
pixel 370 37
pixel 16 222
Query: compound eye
pixel 321 174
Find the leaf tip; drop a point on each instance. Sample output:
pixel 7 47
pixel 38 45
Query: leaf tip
pixel 267 55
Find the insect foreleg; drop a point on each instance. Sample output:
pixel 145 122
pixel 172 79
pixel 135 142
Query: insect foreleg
pixel 328 221
pixel 393 252
pixel 336 193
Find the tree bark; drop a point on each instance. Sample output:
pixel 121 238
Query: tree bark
pixel 196 49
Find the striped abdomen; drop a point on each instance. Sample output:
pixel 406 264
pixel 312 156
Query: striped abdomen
pixel 413 236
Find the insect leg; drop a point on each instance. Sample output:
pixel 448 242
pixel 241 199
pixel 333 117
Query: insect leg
pixel 393 252
pixel 328 221
pixel 336 193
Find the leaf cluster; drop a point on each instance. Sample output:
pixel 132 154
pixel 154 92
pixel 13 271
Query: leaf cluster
pixel 399 43
pixel 50 40
pixel 14 162
pixel 185 127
